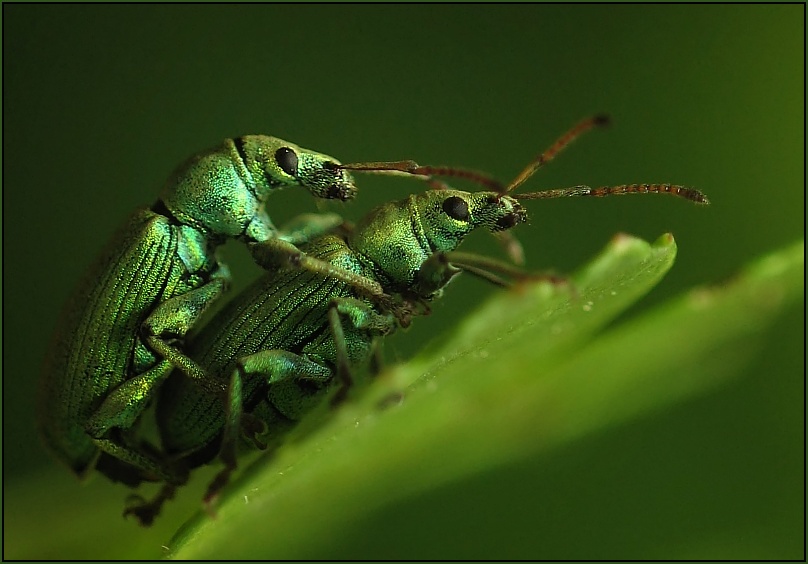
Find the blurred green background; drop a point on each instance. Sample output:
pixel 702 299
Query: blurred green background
pixel 101 102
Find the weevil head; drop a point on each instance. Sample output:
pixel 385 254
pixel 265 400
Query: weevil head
pixel 275 163
pixel 447 216
pixel 223 190
pixel 398 237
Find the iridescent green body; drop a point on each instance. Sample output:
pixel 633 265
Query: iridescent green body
pixel 281 342
pixel 121 332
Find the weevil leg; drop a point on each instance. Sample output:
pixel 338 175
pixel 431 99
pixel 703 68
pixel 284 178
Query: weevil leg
pixel 120 409
pixel 172 319
pixel 343 363
pixel 274 366
pixel 441 266
pixel 227 452
pixel 511 245
pixel 366 319
pixel 362 317
pixel 123 472
pixel 305 227
pixel 124 404
pixel 485 267
pixel 376 359
pixel 434 274
pixel 278 254
pixel 146 511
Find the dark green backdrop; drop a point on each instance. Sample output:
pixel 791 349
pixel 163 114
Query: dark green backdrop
pixel 101 102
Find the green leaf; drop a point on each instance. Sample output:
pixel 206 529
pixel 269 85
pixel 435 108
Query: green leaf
pixel 525 432
pixel 525 375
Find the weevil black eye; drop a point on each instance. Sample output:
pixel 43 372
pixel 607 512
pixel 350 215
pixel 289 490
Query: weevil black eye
pixel 287 160
pixel 456 208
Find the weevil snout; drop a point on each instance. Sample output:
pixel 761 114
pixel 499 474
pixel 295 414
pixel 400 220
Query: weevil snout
pixel 511 220
pixel 341 192
pixel 509 211
pixel 340 183
pixel 325 178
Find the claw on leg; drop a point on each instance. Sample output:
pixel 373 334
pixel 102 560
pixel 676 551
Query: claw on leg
pixel 146 511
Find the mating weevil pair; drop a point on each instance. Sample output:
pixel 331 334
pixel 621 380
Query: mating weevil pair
pixel 277 347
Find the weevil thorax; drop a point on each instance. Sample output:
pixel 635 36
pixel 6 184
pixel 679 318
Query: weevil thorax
pixel 222 191
pixel 398 237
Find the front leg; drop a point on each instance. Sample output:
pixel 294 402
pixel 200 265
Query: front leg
pixel 435 272
pixel 440 267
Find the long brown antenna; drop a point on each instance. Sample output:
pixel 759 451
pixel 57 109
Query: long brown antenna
pixel 681 191
pixel 554 149
pixel 414 169
pixel 428 172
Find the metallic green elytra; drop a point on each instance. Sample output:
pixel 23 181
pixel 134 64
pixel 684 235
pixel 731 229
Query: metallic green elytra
pixel 121 332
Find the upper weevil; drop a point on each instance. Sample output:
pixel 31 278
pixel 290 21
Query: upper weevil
pixel 121 332
pixel 278 346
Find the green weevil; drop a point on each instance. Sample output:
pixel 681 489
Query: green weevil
pixel 291 336
pixel 121 332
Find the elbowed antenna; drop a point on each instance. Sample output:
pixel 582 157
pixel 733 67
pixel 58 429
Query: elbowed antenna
pixel 560 144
